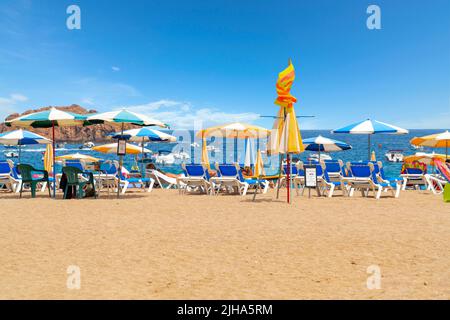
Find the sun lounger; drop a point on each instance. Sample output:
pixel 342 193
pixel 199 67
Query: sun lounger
pixel 364 178
pixel 328 185
pixel 5 176
pixel 196 179
pixel 437 181
pixel 335 169
pixel 162 180
pixel 230 178
pixel 299 179
pixel 414 177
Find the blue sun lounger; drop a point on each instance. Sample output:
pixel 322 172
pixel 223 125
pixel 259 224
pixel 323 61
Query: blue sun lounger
pixel 230 178
pixel 364 178
pixel 196 179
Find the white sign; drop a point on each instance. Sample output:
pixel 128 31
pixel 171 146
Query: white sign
pixel 310 177
pixel 121 147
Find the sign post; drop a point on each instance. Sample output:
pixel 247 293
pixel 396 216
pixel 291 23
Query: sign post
pixel 310 178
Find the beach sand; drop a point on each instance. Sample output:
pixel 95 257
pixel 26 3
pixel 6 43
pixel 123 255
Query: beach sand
pixel 163 245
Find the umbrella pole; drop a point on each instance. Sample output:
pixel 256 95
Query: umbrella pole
pixel 120 167
pixel 224 149
pixel 19 152
pixel 368 146
pixel 235 150
pixel 54 162
pixel 288 178
pixel 279 175
pixel 446 150
pixel 142 159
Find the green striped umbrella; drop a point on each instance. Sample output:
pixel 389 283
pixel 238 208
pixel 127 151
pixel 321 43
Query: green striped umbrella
pixel 49 119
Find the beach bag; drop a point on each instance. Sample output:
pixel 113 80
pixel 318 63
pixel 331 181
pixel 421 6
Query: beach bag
pixel 447 192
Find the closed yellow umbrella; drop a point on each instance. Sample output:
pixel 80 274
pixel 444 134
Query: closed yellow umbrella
pixel 373 156
pixel 286 137
pixel 112 149
pixel 48 158
pixel 205 158
pixel 259 165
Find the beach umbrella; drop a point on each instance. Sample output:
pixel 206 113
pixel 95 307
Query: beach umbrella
pixel 373 156
pixel 22 138
pixel 437 140
pixel 259 165
pixel 235 130
pixel 370 127
pixel 50 118
pixel 145 134
pixel 78 156
pixel 285 138
pixel 323 144
pixel 427 158
pixel 124 116
pixel 48 158
pixel 111 148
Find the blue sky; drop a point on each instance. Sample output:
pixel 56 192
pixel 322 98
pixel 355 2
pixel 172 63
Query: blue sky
pixel 218 60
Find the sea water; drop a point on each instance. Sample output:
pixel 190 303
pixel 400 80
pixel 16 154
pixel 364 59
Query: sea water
pixel 188 143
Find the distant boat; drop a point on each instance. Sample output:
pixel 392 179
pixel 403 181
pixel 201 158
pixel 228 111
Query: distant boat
pixel 11 154
pixel 315 157
pixel 394 155
pixel 167 157
pixel 87 145
pixel 416 147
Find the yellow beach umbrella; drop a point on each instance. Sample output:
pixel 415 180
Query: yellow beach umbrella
pixel 437 140
pixel 285 137
pixel 48 158
pixel 78 156
pixel 427 158
pixel 373 157
pixel 235 130
pixel 111 148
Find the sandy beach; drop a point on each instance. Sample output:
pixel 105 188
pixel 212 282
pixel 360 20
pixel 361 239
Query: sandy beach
pixel 164 245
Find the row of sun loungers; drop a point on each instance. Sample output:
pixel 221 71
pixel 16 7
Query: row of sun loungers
pixel 332 175
pixel 229 179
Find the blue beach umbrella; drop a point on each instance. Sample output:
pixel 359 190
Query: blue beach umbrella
pixel 124 116
pixel 323 144
pixel 22 138
pixel 370 127
pixel 145 134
